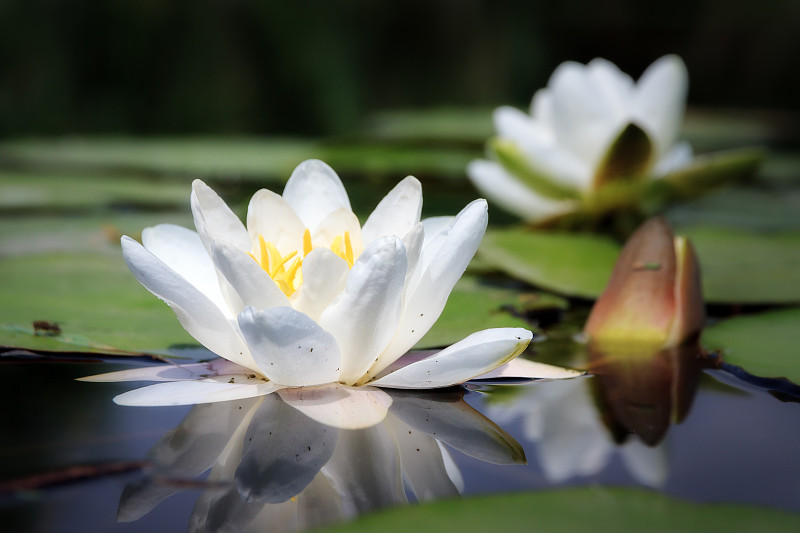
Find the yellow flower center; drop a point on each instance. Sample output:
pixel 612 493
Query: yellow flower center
pixel 286 270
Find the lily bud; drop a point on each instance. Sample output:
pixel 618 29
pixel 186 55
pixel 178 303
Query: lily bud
pixel 654 297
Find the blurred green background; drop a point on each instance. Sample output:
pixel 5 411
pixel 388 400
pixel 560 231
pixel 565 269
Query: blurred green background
pixel 322 68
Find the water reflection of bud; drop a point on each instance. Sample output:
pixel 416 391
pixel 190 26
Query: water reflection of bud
pixel 272 466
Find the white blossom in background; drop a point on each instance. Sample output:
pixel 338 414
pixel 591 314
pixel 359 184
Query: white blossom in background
pixel 303 295
pixel 591 125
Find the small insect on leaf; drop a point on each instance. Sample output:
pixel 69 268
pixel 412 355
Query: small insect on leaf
pixel 45 328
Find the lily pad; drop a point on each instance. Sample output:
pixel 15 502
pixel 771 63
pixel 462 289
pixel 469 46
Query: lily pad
pixel 764 344
pixel 738 267
pixel 574 264
pixel 474 306
pixel 95 302
pixel 576 509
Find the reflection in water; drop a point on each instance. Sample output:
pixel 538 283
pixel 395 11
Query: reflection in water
pixel 273 467
pixel 626 407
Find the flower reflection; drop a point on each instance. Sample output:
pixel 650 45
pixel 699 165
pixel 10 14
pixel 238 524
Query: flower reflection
pixel 272 467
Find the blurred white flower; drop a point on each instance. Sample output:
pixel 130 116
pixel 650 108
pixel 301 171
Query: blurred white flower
pixel 592 125
pixel 304 295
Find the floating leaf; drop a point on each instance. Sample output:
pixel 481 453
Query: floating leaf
pixel 569 263
pixel 764 344
pixel 598 509
pixel 474 306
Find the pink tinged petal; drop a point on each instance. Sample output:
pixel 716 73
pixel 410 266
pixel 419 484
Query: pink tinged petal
pixel 190 372
pixel 660 100
pixel 198 315
pixel 522 368
pixel 364 316
pixel 324 276
pixel 443 262
pixel 214 220
pixel 335 225
pixel 494 182
pixel 182 250
pixel 289 347
pixel 583 123
pixel 478 354
pixel 397 213
pixel 340 406
pixel 314 191
pixel 247 280
pixel 269 215
pixel 193 392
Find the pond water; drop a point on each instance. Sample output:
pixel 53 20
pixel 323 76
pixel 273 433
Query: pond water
pixel 72 460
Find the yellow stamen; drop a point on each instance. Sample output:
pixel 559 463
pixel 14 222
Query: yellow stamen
pixel 307 242
pixel 348 247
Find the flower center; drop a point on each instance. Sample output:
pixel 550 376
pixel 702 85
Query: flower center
pixel 286 270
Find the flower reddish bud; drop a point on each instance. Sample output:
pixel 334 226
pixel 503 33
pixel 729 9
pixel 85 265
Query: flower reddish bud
pixel 654 296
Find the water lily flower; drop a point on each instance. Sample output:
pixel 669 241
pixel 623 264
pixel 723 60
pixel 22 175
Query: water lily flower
pixel 654 299
pixel 304 295
pixel 270 467
pixel 596 141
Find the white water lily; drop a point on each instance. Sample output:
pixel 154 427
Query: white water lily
pixel 592 125
pixel 305 296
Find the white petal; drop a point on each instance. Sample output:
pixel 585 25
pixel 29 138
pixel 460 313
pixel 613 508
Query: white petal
pixel 515 125
pixel 173 372
pixel 335 225
pixel 214 220
pixel 283 452
pixel 648 465
pixel 422 461
pixel 660 100
pixel 679 156
pixel 613 86
pixel 499 186
pixel 192 392
pixel 364 316
pixel 314 191
pixel 522 368
pixel 397 213
pixel 198 315
pixel 269 215
pixel 182 250
pixel 583 123
pixel 413 242
pixel 451 420
pixel 324 276
pixel 247 279
pixel 340 406
pixel 477 354
pixel 441 264
pixel 289 347
pixel 542 108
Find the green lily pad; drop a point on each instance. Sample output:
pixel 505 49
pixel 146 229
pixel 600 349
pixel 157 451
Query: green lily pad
pixel 574 264
pixel 92 297
pixel 575 509
pixel 764 344
pixel 475 305
pixel 23 191
pixel 738 267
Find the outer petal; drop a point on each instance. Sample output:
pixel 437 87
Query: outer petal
pixel 340 406
pixel 660 100
pixel 269 215
pixel 515 125
pixel 289 347
pixel 522 368
pixel 442 263
pixel 251 284
pixel 364 316
pixel 314 191
pixel 214 219
pixel 198 315
pixel 397 213
pixel 613 86
pixel 680 155
pixel 182 250
pixel 493 181
pixel 192 392
pixel 174 372
pixel 477 354
pixel 324 276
